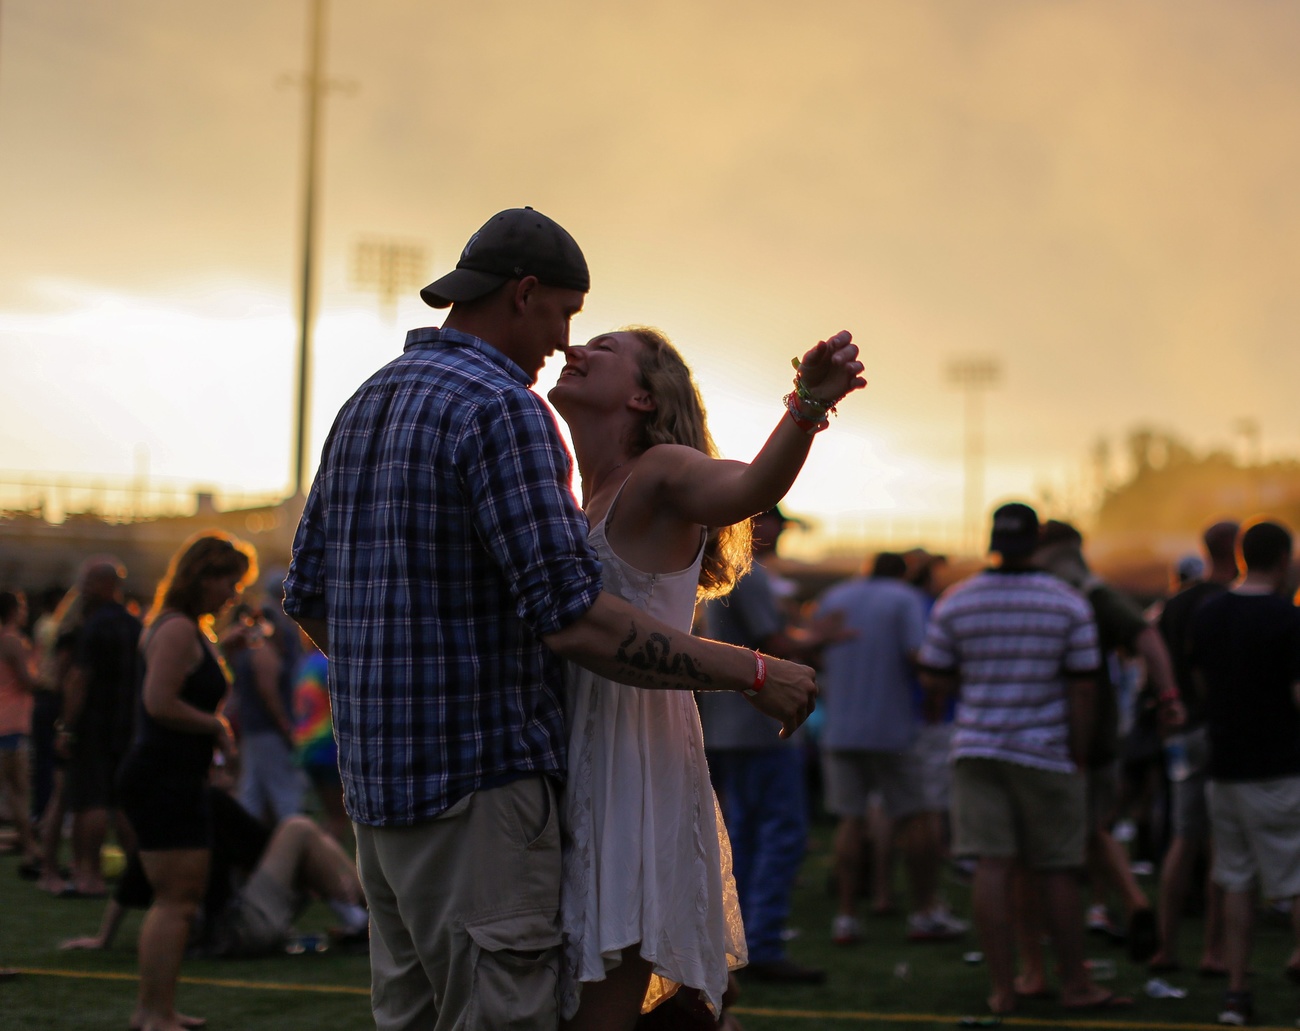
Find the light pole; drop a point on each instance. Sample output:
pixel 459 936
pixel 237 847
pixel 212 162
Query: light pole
pixel 388 267
pixel 973 376
pixel 315 85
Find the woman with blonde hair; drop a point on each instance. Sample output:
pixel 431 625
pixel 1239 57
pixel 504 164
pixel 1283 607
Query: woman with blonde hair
pixel 649 904
pixel 162 780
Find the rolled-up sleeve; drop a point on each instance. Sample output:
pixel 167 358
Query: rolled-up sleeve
pixel 515 469
pixel 304 587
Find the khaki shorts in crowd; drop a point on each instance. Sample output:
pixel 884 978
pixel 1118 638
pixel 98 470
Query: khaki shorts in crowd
pixel 1256 827
pixel 933 750
pixel 1002 810
pixel 851 777
pixel 258 919
pixel 465 913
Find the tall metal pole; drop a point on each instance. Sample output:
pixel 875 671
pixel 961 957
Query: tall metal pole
pixel 313 88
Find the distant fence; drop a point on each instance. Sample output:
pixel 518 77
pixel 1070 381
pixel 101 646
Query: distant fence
pixel 56 497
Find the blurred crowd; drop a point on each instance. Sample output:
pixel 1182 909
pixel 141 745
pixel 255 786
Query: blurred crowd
pixel 1025 726
pixel 1038 732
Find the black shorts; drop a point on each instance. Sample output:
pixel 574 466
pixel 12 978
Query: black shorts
pixel 167 810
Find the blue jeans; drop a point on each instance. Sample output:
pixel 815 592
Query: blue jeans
pixel 765 805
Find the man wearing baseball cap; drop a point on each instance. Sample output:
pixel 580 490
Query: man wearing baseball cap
pixel 443 566
pixel 1020 648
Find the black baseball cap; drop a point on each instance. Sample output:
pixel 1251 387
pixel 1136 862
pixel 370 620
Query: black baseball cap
pixel 512 244
pixel 1015 530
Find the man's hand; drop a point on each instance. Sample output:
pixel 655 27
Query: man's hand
pixel 789 694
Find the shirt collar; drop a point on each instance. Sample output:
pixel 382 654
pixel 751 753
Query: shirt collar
pixel 432 336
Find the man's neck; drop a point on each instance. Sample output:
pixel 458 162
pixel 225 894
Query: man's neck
pixel 1259 583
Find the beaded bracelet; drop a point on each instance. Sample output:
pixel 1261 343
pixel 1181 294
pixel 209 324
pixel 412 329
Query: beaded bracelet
pixel 808 399
pixel 809 423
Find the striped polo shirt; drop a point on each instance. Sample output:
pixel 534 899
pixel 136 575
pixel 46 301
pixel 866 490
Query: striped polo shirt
pixel 1011 639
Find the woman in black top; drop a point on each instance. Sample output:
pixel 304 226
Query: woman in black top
pixel 162 780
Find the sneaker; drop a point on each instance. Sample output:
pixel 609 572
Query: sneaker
pixel 936 925
pixel 846 930
pixel 1238 1009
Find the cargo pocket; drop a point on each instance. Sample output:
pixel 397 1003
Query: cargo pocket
pixel 516 967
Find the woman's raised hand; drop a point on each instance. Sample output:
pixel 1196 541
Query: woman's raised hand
pixel 831 369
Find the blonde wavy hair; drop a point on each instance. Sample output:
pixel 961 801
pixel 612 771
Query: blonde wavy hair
pixel 678 418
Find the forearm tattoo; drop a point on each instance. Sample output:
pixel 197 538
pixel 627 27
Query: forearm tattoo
pixel 655 664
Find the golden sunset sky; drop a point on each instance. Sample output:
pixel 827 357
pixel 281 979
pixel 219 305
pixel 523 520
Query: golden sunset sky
pixel 1103 196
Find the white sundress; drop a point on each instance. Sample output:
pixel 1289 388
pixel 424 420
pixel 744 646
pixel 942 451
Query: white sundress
pixel 646 856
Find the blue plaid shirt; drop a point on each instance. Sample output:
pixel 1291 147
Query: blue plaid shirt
pixel 440 541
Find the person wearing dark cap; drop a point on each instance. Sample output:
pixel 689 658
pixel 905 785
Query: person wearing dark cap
pixel 1020 648
pixel 442 565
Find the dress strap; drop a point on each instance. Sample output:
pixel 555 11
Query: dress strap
pixel 609 518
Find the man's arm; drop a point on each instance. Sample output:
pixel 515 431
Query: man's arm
pixel 1151 647
pixel 615 639
pixel 112 920
pixel 1081 703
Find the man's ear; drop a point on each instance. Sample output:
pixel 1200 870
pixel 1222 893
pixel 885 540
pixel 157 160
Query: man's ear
pixel 523 292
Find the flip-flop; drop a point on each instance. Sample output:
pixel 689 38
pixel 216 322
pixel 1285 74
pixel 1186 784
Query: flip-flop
pixel 1110 1001
pixel 1041 993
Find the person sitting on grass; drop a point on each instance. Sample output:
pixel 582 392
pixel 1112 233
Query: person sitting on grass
pixel 260 881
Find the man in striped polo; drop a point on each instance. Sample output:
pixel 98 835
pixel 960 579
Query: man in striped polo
pixel 1020 648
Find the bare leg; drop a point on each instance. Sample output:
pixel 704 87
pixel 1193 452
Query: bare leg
pixel 51 837
pixel 849 839
pixel 300 853
pixel 1113 863
pixel 614 1003
pixel 1238 920
pixel 1028 906
pixel 89 829
pixel 1061 900
pixel 921 854
pixel 13 778
pixel 1175 876
pixel 179 878
pixel 991 904
pixel 880 833
pixel 1212 950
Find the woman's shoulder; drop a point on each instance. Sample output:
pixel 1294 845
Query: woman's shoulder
pixel 171 630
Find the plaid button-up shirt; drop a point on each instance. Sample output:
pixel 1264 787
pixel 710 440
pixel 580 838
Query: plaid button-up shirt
pixel 440 541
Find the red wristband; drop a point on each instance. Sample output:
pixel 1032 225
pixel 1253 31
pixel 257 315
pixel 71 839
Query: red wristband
pixel 760 676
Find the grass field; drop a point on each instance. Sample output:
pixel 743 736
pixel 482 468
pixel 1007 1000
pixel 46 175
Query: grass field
pixel 884 982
